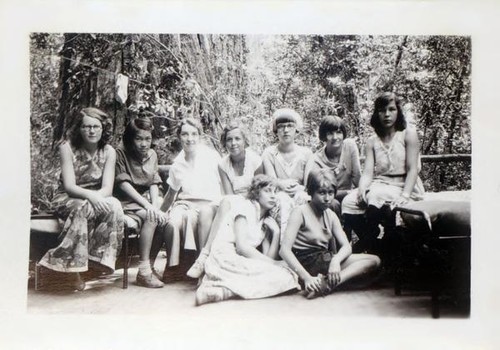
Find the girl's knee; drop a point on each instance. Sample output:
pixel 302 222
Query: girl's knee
pixel 114 204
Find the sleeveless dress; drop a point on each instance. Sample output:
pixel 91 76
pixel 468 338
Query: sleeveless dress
pixel 241 183
pixel 388 178
pixel 245 277
pixel 315 244
pixel 86 235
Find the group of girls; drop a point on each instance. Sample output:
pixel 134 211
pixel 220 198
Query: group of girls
pixel 262 225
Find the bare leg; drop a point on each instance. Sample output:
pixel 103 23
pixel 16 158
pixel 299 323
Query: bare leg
pixel 205 219
pixel 358 265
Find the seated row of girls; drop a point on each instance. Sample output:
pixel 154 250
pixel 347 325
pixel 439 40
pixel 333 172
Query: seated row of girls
pixel 288 163
pixel 284 161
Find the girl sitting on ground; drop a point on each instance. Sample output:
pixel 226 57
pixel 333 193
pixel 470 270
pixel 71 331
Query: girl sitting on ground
pixel 242 261
pixel 236 171
pixel 93 229
pixel 316 247
pixel 136 186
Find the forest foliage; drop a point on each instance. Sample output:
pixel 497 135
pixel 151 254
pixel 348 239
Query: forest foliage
pixel 216 78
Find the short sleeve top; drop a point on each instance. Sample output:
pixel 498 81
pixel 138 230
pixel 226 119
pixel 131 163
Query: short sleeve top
pixel 88 168
pixel 241 183
pixel 293 169
pixel 199 180
pixel 313 234
pixel 141 174
pixel 347 171
pixel 250 210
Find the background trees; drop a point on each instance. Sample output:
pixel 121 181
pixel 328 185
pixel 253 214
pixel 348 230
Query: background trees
pixel 216 78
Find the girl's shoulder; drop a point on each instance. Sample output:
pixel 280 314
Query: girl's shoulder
pixel 350 143
pixel 305 151
pixel 108 150
pixel 270 150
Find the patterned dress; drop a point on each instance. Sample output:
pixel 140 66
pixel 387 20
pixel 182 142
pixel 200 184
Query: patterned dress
pixel 86 235
pixel 245 277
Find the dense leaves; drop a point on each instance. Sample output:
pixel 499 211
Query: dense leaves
pixel 216 78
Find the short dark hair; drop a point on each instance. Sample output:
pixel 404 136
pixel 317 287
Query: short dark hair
pixel 131 131
pixel 329 124
pixel 191 122
pixel 74 134
pixel 320 178
pixel 258 183
pixel 381 102
pixel 233 125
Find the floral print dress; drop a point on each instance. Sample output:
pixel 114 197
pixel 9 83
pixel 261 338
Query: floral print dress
pixel 86 235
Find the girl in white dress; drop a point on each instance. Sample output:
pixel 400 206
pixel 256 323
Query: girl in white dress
pixel 242 259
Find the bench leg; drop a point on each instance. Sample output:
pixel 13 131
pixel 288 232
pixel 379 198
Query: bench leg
pixel 125 266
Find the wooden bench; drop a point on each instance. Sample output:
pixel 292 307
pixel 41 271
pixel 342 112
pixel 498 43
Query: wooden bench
pixel 435 245
pixel 47 226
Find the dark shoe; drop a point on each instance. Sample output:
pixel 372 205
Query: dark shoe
pixel 173 274
pixel 148 281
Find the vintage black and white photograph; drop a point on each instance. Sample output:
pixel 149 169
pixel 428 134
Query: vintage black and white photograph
pixel 277 174
pixel 257 173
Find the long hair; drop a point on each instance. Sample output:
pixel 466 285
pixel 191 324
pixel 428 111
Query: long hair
pixel 381 102
pixel 131 131
pixel 75 136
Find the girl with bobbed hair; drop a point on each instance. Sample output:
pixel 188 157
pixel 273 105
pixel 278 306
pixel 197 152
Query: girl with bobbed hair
pixel 286 162
pixel 242 261
pixel 390 173
pixel 316 247
pixel 236 170
pixel 93 220
pixel 340 155
pixel 136 186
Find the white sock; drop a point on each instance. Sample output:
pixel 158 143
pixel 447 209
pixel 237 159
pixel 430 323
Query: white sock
pixel 144 267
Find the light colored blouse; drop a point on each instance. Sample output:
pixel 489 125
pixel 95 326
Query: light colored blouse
pixel 199 181
pixel 241 183
pixel 293 169
pixel 347 171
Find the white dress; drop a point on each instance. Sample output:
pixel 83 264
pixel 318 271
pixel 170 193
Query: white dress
pixel 247 278
pixel 241 183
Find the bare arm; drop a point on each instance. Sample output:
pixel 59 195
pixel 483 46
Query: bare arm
pixel 356 165
pixel 294 223
pixel 168 200
pixel 412 149
pixel 128 189
pixel 367 177
pixel 242 247
pixel 227 188
pixel 271 244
